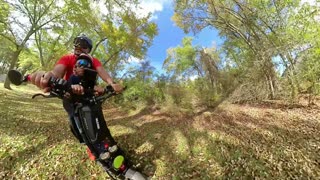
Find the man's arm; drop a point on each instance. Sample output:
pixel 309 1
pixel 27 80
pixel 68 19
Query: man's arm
pixel 104 75
pixel 107 78
pixel 59 70
pixel 41 78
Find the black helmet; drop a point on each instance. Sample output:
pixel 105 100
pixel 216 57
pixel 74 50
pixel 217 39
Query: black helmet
pixel 83 41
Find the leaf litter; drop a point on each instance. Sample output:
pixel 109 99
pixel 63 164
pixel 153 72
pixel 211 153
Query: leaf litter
pixel 230 142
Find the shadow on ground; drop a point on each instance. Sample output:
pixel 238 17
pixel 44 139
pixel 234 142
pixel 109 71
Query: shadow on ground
pixel 224 144
pixel 27 128
pixel 229 142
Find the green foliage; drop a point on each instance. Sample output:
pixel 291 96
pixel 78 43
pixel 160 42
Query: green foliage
pixel 181 60
pixel 177 93
pixel 141 86
pixel 255 32
pixel 139 92
pixel 311 69
pixel 118 34
pixel 187 63
pixel 5 54
pixel 309 74
pixel 205 94
pixel 129 37
pixel 4 14
pixel 29 62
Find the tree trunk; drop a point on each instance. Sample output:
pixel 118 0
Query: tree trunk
pixel 211 68
pixel 12 65
pixel 289 74
pixel 270 76
pixel 271 87
pixel 293 94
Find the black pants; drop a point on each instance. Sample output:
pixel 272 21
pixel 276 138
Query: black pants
pixel 107 137
pixel 70 109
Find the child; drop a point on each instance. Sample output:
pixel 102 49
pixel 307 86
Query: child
pixel 83 73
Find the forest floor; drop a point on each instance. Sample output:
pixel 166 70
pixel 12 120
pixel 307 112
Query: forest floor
pixel 268 140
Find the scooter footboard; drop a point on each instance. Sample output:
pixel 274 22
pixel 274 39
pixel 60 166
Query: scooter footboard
pixel 93 123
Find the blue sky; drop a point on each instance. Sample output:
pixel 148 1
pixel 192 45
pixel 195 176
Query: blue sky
pixel 169 34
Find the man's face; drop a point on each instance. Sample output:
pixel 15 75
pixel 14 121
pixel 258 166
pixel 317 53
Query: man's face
pixel 81 46
pixel 79 50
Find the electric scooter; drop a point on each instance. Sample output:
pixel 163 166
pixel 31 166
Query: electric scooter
pixel 89 125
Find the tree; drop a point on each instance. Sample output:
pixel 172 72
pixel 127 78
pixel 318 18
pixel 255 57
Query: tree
pixel 5 50
pixel 261 27
pixel 188 62
pixel 181 61
pixel 118 33
pixel 28 17
pixel 131 38
pixel 141 84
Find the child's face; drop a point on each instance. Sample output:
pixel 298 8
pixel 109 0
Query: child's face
pixel 78 69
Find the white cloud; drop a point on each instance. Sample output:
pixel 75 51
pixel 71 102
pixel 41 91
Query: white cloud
pixel 194 77
pixel 132 59
pixel 151 6
pixel 145 7
pixel 311 2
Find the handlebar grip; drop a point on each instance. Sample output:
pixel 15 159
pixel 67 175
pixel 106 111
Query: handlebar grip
pixel 27 78
pixel 109 89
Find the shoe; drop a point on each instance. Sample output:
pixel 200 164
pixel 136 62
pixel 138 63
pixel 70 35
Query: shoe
pixel 104 156
pixel 118 162
pixel 113 148
pixel 91 156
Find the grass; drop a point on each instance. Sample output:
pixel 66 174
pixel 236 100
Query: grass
pixel 229 142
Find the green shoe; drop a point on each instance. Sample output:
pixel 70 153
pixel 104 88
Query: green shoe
pixel 118 161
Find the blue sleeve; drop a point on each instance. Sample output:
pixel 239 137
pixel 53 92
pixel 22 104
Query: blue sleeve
pixel 74 79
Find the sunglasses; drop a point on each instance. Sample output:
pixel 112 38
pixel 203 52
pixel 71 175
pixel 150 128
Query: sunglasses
pixel 83 63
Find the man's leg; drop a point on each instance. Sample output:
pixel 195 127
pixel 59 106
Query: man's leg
pixel 69 108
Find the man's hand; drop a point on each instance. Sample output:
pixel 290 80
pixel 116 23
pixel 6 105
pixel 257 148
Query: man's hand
pixel 98 90
pixel 118 88
pixel 77 89
pixel 41 79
